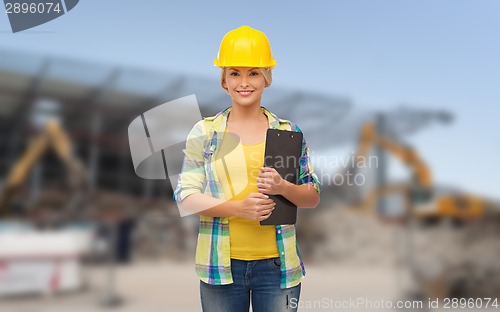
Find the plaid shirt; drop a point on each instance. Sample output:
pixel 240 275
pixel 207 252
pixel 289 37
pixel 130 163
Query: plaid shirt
pixel 213 263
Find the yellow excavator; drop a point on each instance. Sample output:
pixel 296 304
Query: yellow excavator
pixel 443 260
pixel 55 138
pixel 421 198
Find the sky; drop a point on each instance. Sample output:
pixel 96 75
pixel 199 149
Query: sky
pixel 380 54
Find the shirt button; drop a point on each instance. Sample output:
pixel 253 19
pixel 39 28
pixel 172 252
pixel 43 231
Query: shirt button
pixel 279 231
pixel 282 253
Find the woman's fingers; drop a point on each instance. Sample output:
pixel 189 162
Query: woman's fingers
pixel 264 189
pixel 263 206
pixel 261 199
pixel 265 202
pixel 266 211
pixel 264 217
pixel 262 185
pixel 258 195
pixel 268 206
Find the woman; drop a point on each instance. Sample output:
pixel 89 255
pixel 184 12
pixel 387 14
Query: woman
pixel 223 180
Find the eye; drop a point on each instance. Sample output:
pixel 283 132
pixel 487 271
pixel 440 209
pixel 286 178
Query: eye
pixel 254 73
pixel 234 74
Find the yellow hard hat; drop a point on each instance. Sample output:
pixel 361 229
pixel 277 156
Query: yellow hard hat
pixel 245 47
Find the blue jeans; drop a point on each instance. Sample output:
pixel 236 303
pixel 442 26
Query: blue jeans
pixel 256 281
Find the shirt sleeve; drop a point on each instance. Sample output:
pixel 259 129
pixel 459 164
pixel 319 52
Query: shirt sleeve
pixel 307 174
pixel 192 177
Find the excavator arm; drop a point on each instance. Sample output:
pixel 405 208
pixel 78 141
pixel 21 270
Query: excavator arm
pixel 420 192
pixel 369 138
pixel 54 137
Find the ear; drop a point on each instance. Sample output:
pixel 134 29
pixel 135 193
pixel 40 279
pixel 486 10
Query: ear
pixel 224 84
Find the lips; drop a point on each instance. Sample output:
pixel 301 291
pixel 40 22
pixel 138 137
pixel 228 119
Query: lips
pixel 245 92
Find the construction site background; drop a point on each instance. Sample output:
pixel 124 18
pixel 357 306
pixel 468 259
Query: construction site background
pixel 80 231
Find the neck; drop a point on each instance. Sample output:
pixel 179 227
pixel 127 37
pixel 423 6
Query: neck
pixel 241 113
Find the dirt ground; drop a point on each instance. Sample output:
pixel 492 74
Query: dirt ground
pixel 170 286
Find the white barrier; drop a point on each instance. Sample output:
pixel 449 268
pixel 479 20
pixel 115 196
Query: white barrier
pixel 41 262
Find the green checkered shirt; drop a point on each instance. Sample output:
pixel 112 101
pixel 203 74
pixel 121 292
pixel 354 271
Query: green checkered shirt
pixel 213 263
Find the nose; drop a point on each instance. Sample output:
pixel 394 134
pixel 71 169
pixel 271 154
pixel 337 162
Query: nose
pixel 244 83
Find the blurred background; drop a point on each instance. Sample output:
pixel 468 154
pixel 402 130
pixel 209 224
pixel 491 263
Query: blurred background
pixel 398 104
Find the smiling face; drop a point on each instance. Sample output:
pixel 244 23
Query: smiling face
pixel 245 85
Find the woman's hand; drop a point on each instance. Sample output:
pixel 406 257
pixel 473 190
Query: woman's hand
pixel 256 206
pixel 270 182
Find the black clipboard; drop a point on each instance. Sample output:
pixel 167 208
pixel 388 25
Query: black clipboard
pixel 283 151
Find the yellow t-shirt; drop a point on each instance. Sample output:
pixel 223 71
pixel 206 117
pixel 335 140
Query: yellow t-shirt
pixel 238 170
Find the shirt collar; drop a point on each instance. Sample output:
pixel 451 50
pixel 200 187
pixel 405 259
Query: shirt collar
pixel 220 120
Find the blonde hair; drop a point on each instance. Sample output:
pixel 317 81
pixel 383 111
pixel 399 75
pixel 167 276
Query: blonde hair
pixel 266 72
